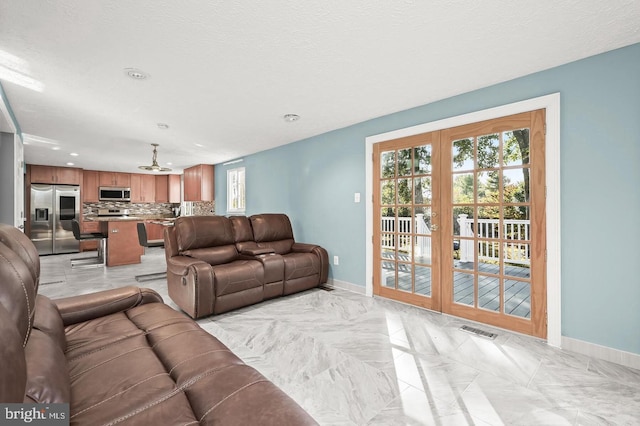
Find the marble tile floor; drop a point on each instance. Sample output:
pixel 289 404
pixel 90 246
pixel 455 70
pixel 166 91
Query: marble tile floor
pixel 353 360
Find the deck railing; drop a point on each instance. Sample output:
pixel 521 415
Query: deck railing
pixel 406 225
pixel 515 252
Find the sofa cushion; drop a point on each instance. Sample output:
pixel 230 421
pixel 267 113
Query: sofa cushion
pixel 47 375
pixel 172 372
pixel 213 255
pixel 194 232
pixel 238 276
pixel 241 228
pixel 271 227
pixel 297 265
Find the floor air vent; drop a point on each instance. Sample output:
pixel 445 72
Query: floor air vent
pixel 478 332
pixel 326 288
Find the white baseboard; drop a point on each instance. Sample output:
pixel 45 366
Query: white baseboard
pixel 344 285
pixel 627 359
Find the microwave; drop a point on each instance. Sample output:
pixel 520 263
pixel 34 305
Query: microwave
pixel 107 193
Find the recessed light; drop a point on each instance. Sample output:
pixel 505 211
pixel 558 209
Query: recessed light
pixel 169 164
pixel 290 118
pixel 56 148
pixel 70 164
pixel 74 154
pixel 199 145
pixel 136 74
pixel 163 126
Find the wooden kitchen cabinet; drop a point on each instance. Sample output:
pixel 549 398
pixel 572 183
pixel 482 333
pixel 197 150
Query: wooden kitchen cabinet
pixel 198 183
pixel 115 179
pixel 174 190
pixel 143 188
pixel 123 247
pixel 155 231
pixel 55 175
pixel 162 188
pixel 90 184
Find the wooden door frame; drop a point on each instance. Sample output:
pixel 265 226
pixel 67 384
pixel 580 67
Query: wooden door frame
pixel 551 103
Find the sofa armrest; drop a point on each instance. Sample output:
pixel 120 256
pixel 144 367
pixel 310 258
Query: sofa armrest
pixel 257 251
pixel 322 254
pixel 179 265
pixel 191 282
pixel 303 247
pixel 85 307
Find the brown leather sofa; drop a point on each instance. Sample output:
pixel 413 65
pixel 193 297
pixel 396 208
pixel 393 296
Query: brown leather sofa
pixel 216 264
pixel 121 356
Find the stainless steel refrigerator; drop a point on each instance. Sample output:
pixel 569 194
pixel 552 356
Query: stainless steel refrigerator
pixel 53 207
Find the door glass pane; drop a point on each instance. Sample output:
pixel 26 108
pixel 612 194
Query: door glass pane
pixel 489 256
pixel 423 250
pixel 388 273
pixel 422 279
pixel 463 291
pixel 388 192
pixel 388 219
pixel 515 147
pixel 488 151
pixel 405 227
pixel 488 222
pixel 463 188
pixel 517 298
pixel 489 187
pixel 489 293
pixel 463 154
pixel 404 162
pixel 516 185
pixel 423 220
pixel 517 259
pixel 463 224
pixel 404 191
pixel 422 159
pixel 404 276
pixel 515 214
pixel 422 187
pixel 388 246
pixel 388 164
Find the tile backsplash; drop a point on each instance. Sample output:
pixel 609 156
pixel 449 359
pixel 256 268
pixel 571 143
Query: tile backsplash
pixel 194 208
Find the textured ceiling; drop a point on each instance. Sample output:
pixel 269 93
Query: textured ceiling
pixel 224 73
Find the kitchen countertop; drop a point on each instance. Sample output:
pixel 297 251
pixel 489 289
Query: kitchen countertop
pixel 128 218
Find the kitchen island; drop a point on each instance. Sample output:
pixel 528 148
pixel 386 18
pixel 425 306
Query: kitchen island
pixel 123 247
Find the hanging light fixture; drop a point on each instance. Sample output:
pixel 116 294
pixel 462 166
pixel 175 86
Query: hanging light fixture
pixel 154 167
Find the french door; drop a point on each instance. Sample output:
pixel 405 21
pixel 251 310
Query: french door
pixel 459 219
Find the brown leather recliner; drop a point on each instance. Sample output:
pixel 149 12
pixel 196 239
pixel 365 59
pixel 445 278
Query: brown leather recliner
pixel 121 356
pixel 216 264
pixel 205 273
pixel 305 265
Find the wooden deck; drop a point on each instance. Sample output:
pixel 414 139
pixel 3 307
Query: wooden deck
pixel 517 294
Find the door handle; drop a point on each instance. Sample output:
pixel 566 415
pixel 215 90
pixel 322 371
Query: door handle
pixel 434 227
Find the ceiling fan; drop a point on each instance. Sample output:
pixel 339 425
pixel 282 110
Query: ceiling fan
pixel 154 167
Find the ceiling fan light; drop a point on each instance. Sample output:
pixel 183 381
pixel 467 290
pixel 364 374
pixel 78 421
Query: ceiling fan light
pixel 154 167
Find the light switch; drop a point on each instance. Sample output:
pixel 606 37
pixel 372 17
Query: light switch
pixel 356 197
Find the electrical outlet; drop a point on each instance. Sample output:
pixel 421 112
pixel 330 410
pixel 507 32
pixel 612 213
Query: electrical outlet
pixel 356 197
pixel 336 260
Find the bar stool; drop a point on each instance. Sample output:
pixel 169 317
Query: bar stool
pixel 146 243
pixel 90 261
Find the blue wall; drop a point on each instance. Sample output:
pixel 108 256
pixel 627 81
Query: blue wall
pixel 314 181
